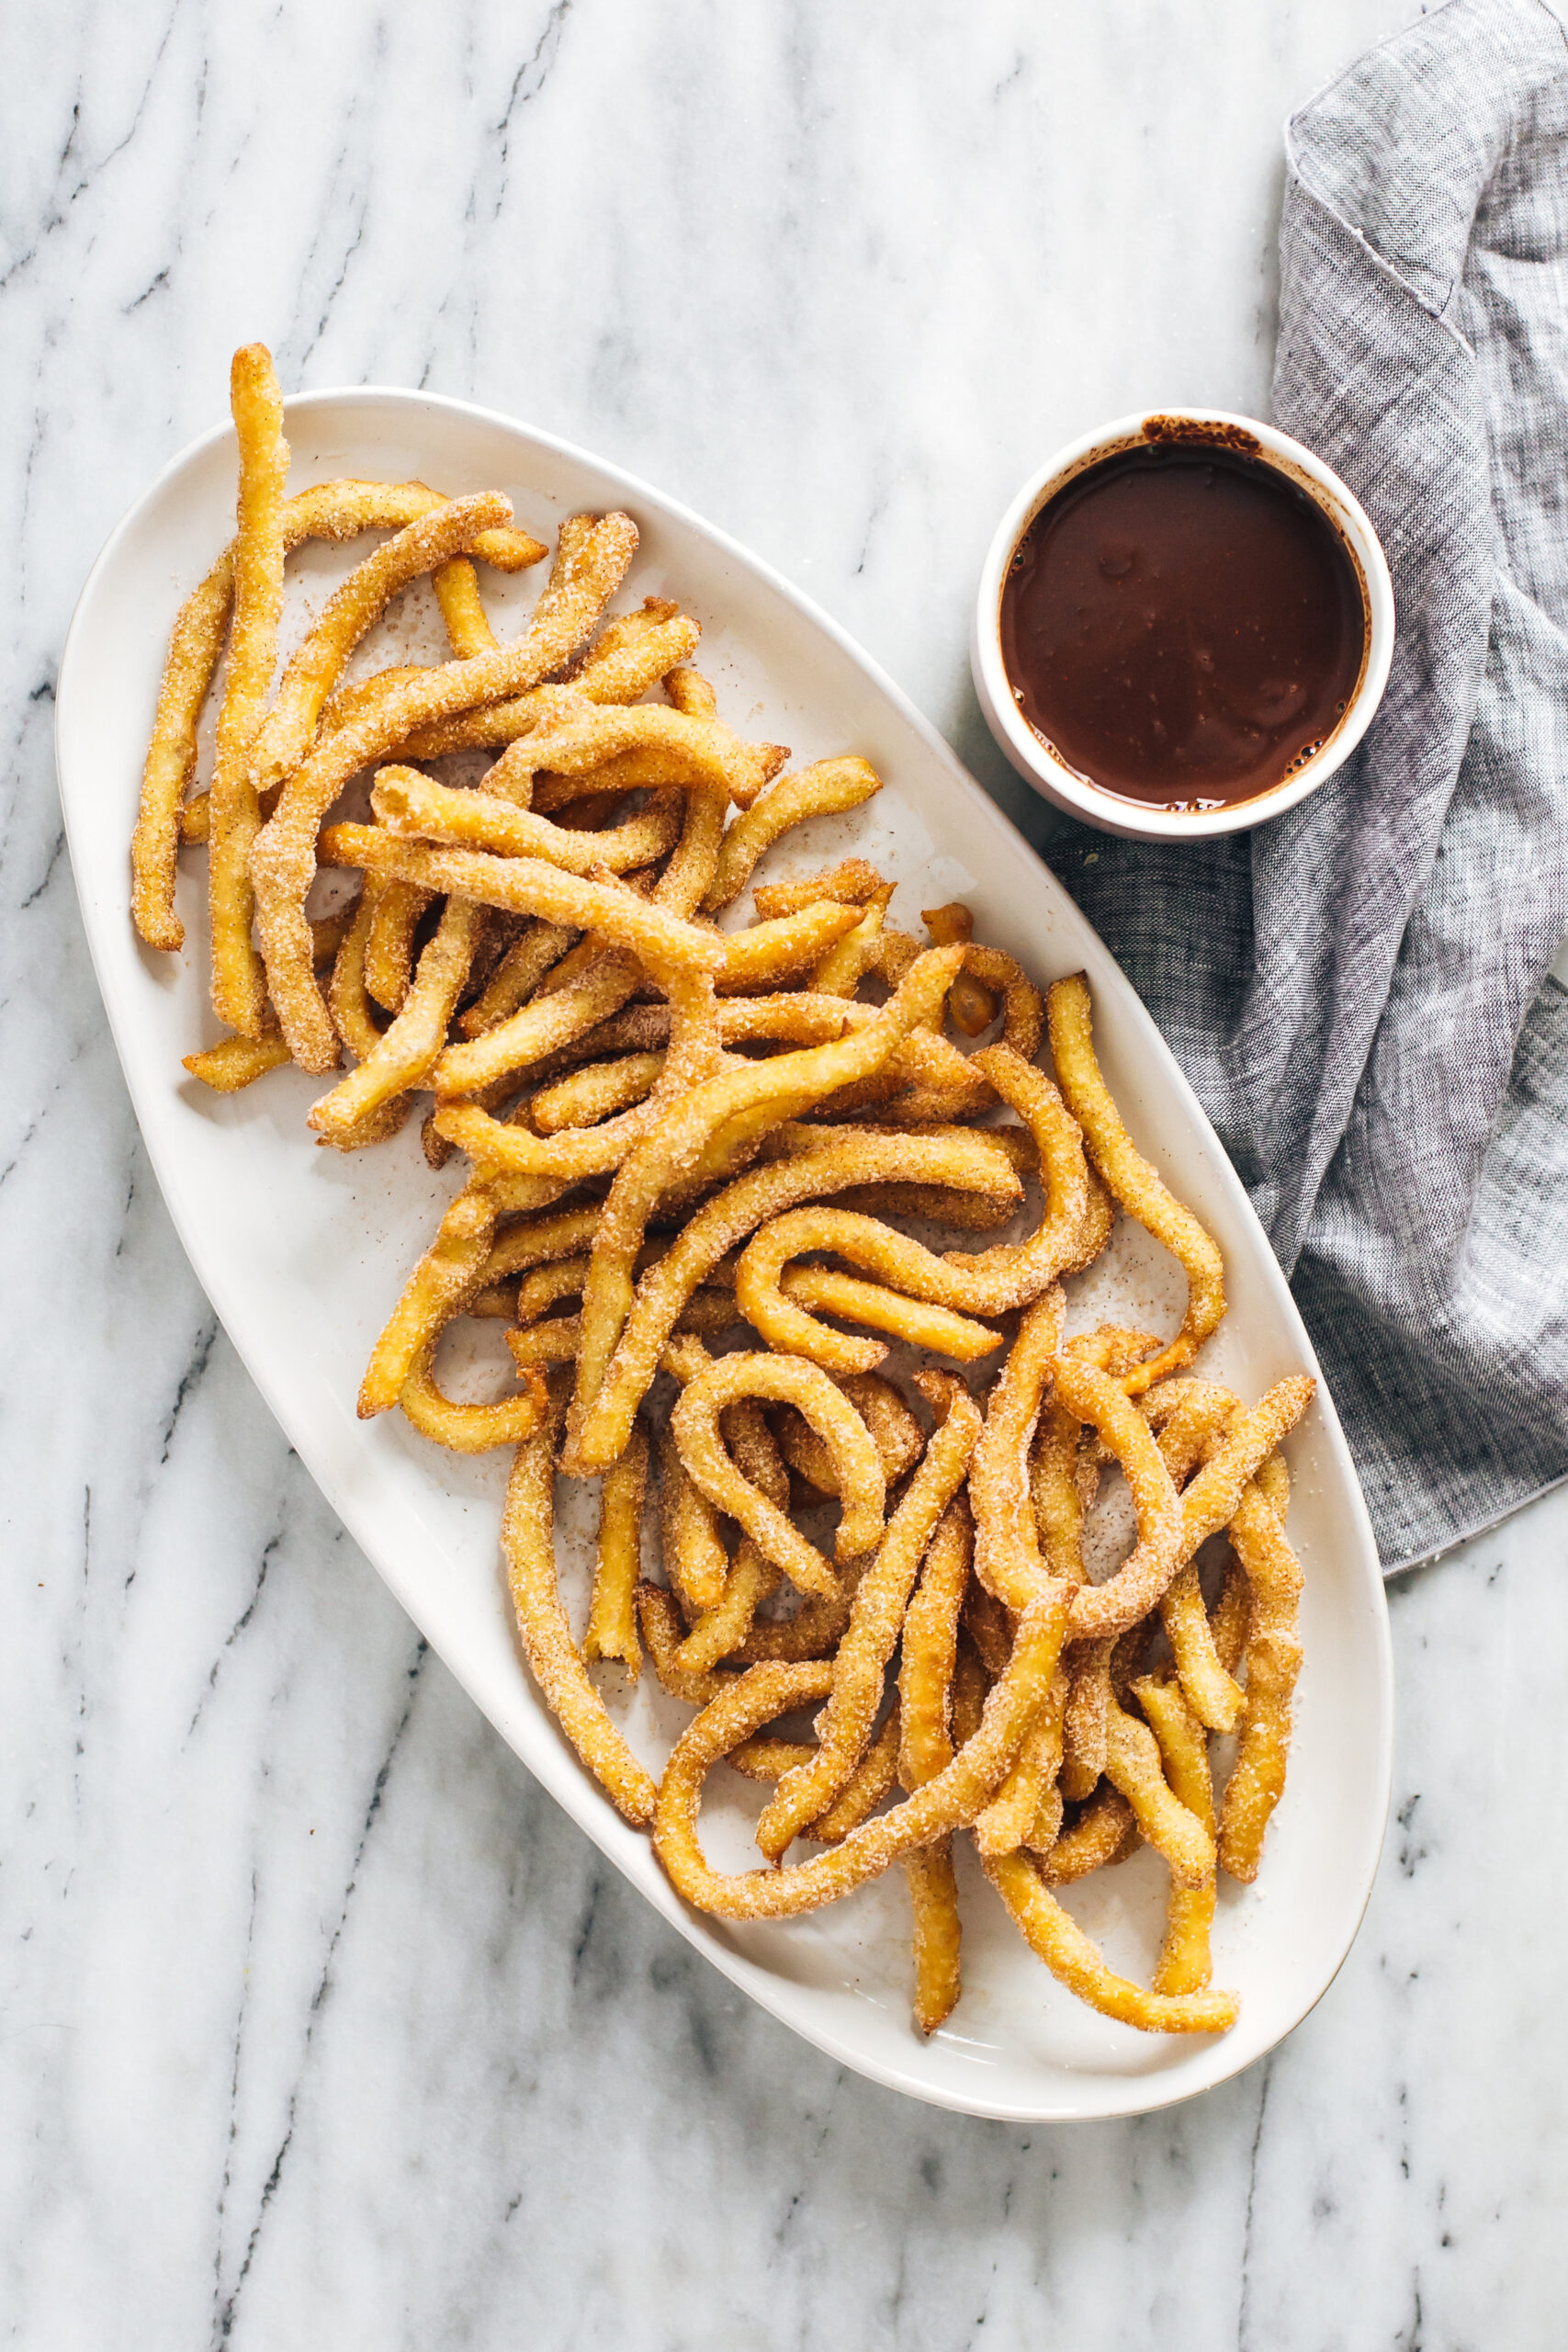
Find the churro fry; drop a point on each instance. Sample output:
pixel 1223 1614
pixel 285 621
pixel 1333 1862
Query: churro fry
pixel 238 992
pixel 630 654
pixel 852 882
pixel 1184 1962
pixel 528 1543
pixel 971 1006
pixel 456 586
pixel 469 1429
pixel 317 664
pixel 403 1056
pixel 1134 1184
pixel 401 907
pixel 783 1380
pixel 685 749
pixel 612 1612
pixel 823 789
pixel 410 804
pixel 1273 1662
pixel 1056 1937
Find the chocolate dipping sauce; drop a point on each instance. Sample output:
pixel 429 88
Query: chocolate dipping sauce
pixel 1182 625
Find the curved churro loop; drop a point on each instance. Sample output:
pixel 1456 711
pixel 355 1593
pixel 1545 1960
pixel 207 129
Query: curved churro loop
pixel 894 1432
pixel 1105 1610
pixel 971 1007
pixel 946 1803
pixel 877 1617
pixel 823 789
pixel 1130 1177
pixel 1056 1937
pixel 469 1429
pixel 527 1539
pixel 776 1300
pixel 782 1380
pixel 1008 1560
pixel 453 1266
pixel 936 1328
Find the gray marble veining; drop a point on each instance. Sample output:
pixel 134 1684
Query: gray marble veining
pixel 317 2020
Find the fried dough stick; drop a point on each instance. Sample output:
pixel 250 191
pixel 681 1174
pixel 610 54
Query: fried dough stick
pixel 354 607
pixel 630 654
pixel 823 789
pixel 1055 1936
pixel 1134 1184
pixel 1184 1964
pixel 1274 1660
pixel 238 992
pixel 402 1056
pixel 782 1380
pixel 612 1612
pixel 528 1543
pixel 925 1686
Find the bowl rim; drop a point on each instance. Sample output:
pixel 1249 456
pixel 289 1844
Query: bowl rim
pixel 1040 765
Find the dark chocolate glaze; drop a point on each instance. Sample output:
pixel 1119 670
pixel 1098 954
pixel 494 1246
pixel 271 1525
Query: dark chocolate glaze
pixel 1183 625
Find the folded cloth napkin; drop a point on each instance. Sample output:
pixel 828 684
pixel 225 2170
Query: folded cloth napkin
pixel 1362 990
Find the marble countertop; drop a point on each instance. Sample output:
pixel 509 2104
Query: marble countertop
pixel 318 2022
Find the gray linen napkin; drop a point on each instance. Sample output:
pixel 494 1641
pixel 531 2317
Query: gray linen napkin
pixel 1360 991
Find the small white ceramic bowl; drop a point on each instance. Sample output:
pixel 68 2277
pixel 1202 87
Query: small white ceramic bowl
pixel 1042 765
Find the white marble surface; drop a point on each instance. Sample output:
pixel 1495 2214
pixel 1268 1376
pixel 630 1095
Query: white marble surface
pixel 316 2021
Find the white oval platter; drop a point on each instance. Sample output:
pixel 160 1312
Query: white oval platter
pixel 302 1252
